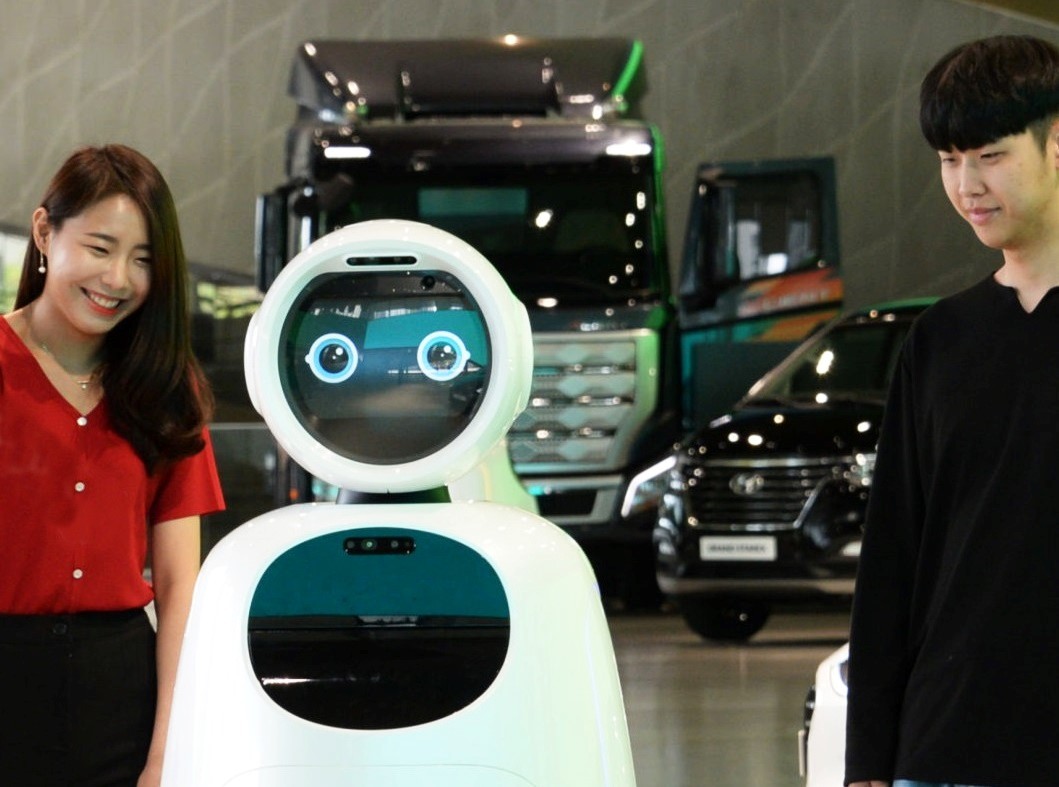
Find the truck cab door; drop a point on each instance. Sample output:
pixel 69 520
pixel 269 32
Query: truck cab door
pixel 759 271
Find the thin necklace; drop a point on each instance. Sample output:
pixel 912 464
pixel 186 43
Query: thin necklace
pixel 82 382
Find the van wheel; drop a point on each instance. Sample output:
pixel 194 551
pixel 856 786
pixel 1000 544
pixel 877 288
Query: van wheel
pixel 726 620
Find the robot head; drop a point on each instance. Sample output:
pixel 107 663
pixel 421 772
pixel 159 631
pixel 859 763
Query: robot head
pixel 389 356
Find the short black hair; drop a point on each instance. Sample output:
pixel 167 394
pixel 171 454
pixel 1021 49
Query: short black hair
pixel 988 89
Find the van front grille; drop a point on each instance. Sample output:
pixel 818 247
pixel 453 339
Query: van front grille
pixel 754 496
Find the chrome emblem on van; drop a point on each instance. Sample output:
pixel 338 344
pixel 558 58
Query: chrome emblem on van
pixel 746 484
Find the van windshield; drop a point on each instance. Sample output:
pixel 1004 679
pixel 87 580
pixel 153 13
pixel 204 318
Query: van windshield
pixel 854 360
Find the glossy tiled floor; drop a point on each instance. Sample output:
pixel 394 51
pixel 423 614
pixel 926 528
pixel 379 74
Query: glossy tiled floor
pixel 708 715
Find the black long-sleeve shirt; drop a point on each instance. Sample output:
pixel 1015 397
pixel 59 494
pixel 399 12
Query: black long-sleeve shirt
pixel 954 648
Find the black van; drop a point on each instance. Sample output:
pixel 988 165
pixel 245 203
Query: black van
pixel 767 502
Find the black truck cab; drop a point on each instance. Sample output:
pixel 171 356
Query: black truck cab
pixel 533 152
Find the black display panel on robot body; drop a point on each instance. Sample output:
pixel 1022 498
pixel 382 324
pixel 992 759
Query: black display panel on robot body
pixel 378 628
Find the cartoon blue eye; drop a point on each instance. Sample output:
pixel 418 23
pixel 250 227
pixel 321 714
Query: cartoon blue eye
pixel 333 358
pixel 442 356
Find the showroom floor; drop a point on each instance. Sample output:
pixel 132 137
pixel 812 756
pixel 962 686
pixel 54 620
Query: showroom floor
pixel 708 715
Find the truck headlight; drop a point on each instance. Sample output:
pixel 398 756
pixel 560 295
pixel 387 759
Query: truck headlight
pixel 646 487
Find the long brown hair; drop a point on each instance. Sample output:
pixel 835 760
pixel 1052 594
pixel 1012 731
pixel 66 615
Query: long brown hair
pixel 157 395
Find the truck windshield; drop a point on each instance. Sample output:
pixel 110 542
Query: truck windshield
pixel 577 236
pixel 852 361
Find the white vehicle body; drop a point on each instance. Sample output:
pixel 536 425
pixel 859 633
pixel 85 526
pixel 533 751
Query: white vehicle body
pixel 822 745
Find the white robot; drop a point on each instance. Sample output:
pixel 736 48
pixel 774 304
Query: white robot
pixel 385 644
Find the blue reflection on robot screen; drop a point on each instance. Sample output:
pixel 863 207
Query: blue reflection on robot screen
pixel 384 368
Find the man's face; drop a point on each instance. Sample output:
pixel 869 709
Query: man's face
pixel 1008 191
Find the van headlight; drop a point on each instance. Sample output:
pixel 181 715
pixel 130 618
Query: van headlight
pixel 646 488
pixel 861 470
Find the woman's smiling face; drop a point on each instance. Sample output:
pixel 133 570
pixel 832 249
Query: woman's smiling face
pixel 98 263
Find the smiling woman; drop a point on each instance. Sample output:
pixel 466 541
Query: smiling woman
pixel 107 463
pixel 98 263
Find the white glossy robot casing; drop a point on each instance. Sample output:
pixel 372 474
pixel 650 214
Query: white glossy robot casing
pixel 392 645
pixel 419 253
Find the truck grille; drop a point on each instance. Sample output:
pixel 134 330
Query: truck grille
pixel 754 495
pixel 590 395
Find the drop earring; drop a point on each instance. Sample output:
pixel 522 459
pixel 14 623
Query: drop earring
pixel 43 267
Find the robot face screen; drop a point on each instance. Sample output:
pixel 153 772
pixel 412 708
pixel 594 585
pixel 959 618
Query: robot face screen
pixel 384 368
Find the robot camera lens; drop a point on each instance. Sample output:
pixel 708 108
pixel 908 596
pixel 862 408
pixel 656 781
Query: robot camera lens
pixel 369 545
pixel 360 546
pixel 332 358
pixel 428 282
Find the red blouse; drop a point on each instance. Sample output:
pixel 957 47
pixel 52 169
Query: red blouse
pixel 75 499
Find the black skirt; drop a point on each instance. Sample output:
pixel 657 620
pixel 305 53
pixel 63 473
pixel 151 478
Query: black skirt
pixel 78 698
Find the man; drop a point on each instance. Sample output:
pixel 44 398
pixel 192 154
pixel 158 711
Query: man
pixel 954 665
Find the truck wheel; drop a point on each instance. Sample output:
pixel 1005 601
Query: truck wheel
pixel 726 620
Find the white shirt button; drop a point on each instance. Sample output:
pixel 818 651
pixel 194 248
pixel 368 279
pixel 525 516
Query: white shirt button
pixel 78 573
pixel 80 486
pixel 82 421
